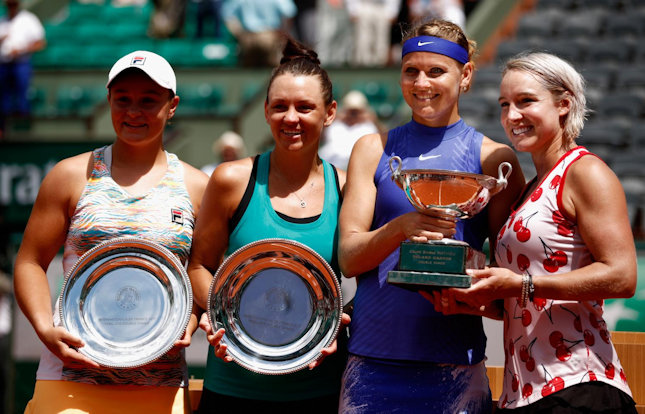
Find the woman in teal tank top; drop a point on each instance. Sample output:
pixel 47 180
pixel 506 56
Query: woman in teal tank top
pixel 290 193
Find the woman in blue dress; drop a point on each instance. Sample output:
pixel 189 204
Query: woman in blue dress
pixel 405 356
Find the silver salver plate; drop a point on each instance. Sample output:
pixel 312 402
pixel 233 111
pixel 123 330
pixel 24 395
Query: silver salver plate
pixel 280 304
pixel 128 299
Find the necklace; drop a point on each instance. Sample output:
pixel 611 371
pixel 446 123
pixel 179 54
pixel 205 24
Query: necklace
pixel 303 203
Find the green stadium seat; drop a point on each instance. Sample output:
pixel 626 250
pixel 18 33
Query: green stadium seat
pixel 200 99
pixel 115 15
pixel 76 100
pixel 37 100
pixel 80 13
pixel 375 92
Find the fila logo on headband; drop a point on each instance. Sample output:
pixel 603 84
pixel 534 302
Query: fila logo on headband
pixel 435 45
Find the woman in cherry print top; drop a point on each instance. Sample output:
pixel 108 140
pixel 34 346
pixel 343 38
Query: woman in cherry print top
pixel 566 247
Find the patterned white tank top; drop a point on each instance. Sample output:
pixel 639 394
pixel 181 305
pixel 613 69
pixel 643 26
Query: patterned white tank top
pixel 104 211
pixel 551 344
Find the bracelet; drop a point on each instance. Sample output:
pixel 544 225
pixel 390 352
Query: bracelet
pixel 524 295
pixel 531 288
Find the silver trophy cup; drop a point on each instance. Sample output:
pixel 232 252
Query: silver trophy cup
pixel 442 193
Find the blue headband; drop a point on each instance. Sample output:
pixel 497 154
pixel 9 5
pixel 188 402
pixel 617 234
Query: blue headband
pixel 435 45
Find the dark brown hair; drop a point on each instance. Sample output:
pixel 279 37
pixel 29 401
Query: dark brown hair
pixel 298 59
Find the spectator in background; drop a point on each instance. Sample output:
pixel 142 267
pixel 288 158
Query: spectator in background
pixel 209 9
pixel 168 18
pixel 21 34
pixel 228 147
pixel 451 10
pixel 372 21
pixel 354 120
pixel 258 25
pixel 306 22
pixel 334 33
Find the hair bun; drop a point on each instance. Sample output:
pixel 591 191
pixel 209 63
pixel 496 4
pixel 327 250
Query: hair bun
pixel 295 50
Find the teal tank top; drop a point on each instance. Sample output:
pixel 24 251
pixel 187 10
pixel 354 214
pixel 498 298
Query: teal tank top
pixel 260 221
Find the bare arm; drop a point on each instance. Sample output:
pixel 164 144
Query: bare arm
pixel 210 238
pixel 594 197
pixel 361 249
pixel 43 237
pixel 499 207
pixel 604 226
pixel 196 182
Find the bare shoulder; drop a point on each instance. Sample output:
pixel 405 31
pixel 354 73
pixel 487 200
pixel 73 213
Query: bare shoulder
pixel 196 182
pixel 194 177
pixel 494 153
pixel 232 174
pixel 70 172
pixel 367 151
pixel 592 173
pixel 371 143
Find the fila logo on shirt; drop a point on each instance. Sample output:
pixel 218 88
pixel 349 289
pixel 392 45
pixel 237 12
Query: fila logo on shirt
pixel 177 216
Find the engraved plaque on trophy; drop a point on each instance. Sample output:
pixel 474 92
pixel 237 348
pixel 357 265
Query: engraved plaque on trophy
pixel 442 263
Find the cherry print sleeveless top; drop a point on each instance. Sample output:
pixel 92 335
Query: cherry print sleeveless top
pixel 551 344
pixel 105 210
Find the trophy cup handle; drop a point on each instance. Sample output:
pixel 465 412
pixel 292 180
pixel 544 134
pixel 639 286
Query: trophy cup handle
pixel 502 180
pixel 396 171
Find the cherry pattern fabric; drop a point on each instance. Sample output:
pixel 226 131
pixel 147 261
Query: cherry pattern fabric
pixel 551 344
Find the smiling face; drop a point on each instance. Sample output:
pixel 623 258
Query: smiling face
pixel 530 115
pixel 296 112
pixel 139 107
pixel 431 84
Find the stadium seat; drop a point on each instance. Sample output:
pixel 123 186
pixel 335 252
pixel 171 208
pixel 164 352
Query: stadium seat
pixel 508 49
pixel 200 99
pixel 75 100
pixel 625 24
pixel 618 51
pixel 540 25
pixel 631 79
pixel 605 137
pixel 572 50
pixel 599 80
pixel 476 108
pixel 621 105
pixel 558 5
pixel 583 24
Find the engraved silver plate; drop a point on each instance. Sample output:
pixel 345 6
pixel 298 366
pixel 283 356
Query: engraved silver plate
pixel 129 299
pixel 280 304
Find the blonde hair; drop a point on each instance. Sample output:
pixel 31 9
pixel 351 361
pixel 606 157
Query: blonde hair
pixel 561 79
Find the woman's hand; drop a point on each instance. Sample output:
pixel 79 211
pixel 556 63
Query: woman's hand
pixel 489 285
pixel 185 340
pixel 64 345
pixel 325 352
pixel 435 225
pixel 214 338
